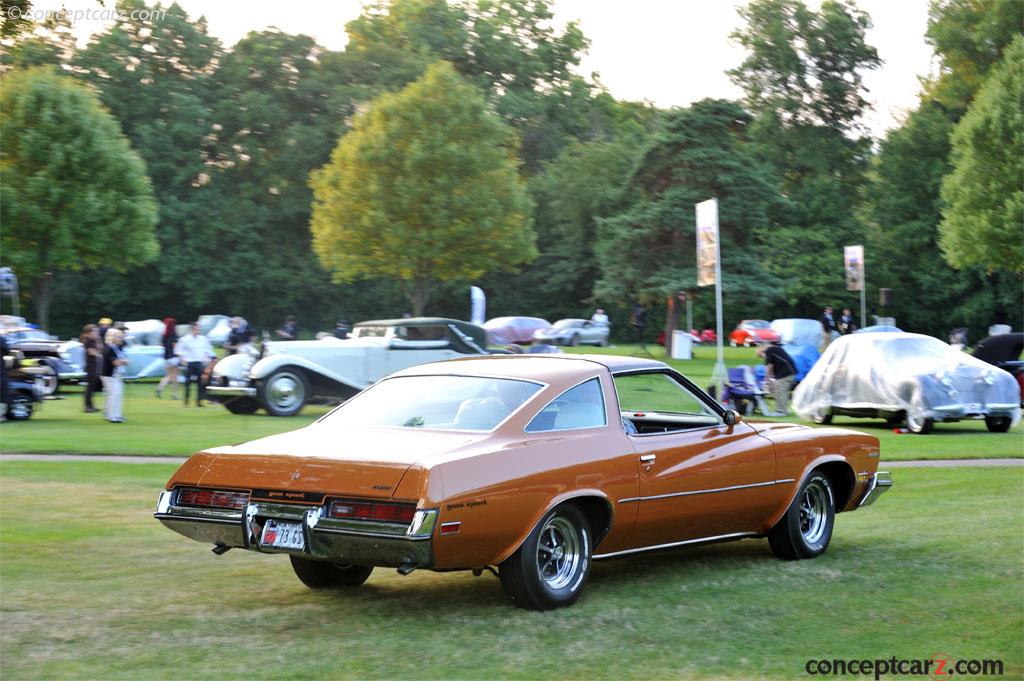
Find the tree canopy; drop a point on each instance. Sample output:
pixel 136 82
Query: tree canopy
pixel 73 193
pixel 425 189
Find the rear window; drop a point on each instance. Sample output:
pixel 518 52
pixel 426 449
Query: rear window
pixel 578 407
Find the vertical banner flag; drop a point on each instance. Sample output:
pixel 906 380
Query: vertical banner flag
pixel 477 305
pixel 853 261
pixel 707 241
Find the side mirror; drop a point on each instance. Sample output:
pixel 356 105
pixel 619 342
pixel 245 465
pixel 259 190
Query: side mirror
pixel 732 417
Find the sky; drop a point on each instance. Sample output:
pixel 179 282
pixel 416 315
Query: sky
pixel 668 52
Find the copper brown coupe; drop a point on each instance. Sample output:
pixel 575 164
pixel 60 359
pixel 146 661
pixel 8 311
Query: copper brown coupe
pixel 534 464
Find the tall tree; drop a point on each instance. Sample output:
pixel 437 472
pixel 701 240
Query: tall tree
pixel 425 189
pixel 647 251
pixel 74 194
pixel 803 79
pixel 984 194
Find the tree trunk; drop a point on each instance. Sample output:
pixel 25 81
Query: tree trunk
pixel 418 293
pixel 671 323
pixel 43 296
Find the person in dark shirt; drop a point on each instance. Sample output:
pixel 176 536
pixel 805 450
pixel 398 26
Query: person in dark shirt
pixel 846 322
pixel 341 329
pixel 238 336
pixel 828 325
pixel 93 347
pixel 114 362
pixel 290 329
pixel 782 369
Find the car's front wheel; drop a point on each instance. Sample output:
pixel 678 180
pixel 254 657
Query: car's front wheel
pixel 919 425
pixel 241 405
pixel 998 424
pixel 806 528
pixel 550 568
pixel 283 393
pixel 318 574
pixel 19 408
pixel 51 379
pixel 823 417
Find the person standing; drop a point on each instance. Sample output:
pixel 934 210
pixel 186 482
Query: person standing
pixel 114 362
pixel 290 329
pixel 195 352
pixel 846 323
pixel 342 329
pixel 93 348
pixel 104 325
pixel 638 318
pixel 782 370
pixel 828 325
pixel 238 335
pixel 599 317
pixel 171 361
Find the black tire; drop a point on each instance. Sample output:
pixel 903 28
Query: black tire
pixel 574 341
pixel 806 528
pixel 284 392
pixel 998 424
pixel 533 578
pixel 319 574
pixel 823 418
pixel 919 426
pixel 894 421
pixel 51 378
pixel 241 405
pixel 19 408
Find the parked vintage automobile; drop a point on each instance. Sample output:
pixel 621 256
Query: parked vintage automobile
pixel 906 377
pixel 24 387
pixel 58 362
pixel 537 464
pixel 573 332
pixel 752 331
pixel 1004 351
pixel 513 330
pixel 289 374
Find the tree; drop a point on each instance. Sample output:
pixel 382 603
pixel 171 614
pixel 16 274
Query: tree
pixel 983 223
pixel 425 189
pixel 73 193
pixel 647 251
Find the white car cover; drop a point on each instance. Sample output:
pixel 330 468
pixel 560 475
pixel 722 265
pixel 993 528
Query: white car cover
pixel 799 331
pixel 908 372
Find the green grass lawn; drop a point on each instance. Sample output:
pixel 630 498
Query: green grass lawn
pixel 164 427
pixel 94 588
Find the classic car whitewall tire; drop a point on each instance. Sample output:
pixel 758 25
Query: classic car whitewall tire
pixel 283 393
pixel 919 426
pixel 551 567
pixel 806 528
pixel 823 417
pixel 51 380
pixel 318 574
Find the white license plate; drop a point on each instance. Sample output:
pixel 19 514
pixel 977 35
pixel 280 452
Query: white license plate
pixel 280 535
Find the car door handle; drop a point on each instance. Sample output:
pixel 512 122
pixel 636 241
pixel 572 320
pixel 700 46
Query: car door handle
pixel 648 458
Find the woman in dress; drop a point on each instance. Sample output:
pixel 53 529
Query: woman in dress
pixel 171 360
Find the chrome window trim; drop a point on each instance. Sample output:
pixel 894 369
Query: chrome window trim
pixel 604 403
pixel 699 540
pixel 707 491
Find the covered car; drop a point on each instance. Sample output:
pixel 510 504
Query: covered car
pixel 752 331
pixel 880 328
pixel 801 339
pixel 906 377
pixel 514 330
pixel 573 332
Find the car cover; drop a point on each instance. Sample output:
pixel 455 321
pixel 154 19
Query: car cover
pixel 905 372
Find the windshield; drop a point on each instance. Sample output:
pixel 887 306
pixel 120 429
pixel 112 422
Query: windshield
pixel 568 323
pixel 755 324
pixel 370 331
pixel 439 402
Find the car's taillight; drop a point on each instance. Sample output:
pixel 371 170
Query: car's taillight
pixel 214 498
pixel 383 512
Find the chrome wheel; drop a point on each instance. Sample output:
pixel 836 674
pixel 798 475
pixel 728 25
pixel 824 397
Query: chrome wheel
pixel 921 426
pixel 51 381
pixel 814 512
pixel 286 391
pixel 558 553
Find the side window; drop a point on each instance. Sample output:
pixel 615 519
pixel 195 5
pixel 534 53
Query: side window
pixel 579 407
pixel 657 403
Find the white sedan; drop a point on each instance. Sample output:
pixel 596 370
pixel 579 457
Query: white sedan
pixel 573 332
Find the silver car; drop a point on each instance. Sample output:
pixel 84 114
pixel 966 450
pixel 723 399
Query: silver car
pixel 573 332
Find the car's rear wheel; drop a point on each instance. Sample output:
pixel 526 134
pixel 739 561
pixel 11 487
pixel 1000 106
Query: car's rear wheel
pixel 318 574
pixel 242 405
pixel 921 426
pixel 284 392
pixel 823 417
pixel 51 380
pixel 19 408
pixel 550 568
pixel 732 342
pixel 806 528
pixel 998 424
pixel 574 341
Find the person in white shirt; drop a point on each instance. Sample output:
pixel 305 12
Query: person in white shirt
pixel 195 352
pixel 599 317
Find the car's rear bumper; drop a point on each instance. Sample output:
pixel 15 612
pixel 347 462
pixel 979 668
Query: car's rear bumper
pixel 230 391
pixel 959 411
pixel 878 484
pixel 341 541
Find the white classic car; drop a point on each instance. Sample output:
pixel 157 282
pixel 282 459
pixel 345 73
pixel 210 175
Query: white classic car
pixel 290 374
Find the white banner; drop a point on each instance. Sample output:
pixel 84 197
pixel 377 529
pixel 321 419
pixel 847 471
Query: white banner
pixel 707 241
pixel 477 305
pixel 853 263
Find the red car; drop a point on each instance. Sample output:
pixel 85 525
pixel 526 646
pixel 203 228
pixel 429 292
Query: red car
pixel 751 331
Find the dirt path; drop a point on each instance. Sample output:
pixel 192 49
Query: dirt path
pixel 178 460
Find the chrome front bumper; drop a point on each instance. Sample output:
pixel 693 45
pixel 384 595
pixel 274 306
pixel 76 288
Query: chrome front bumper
pixel 341 541
pixel 230 391
pixel 878 485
